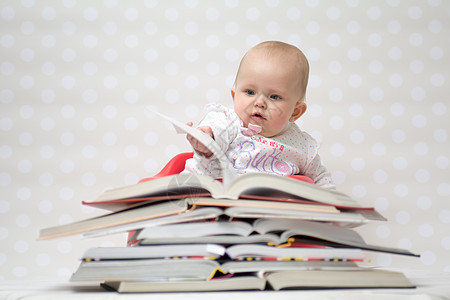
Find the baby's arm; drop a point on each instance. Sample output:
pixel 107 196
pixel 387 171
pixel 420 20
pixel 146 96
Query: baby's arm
pixel 199 147
pixel 319 173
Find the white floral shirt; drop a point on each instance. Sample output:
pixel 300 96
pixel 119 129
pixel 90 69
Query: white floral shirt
pixel 291 152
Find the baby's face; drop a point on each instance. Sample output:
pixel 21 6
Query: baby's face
pixel 267 93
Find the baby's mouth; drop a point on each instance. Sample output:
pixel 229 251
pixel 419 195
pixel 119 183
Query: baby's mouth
pixel 258 117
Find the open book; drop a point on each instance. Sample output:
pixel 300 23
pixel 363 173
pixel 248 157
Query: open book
pixel 184 210
pixel 243 252
pixel 280 280
pixel 249 185
pixel 273 231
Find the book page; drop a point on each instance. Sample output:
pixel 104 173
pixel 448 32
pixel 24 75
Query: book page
pixel 228 172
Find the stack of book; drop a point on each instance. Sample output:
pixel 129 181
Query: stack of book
pixel 263 231
pixel 250 232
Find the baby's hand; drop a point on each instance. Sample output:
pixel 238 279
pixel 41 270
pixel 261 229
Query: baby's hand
pixel 199 147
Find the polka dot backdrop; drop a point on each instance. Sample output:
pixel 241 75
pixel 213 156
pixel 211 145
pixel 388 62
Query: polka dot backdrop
pixel 75 77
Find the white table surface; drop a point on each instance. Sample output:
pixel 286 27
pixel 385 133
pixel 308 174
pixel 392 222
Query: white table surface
pixel 429 287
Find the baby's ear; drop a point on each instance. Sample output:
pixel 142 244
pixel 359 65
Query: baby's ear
pixel 233 91
pixel 299 110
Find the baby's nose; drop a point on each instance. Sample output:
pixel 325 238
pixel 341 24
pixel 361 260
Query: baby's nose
pixel 260 101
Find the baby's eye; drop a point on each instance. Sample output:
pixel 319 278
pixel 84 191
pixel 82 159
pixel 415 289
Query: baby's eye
pixel 275 97
pixel 250 92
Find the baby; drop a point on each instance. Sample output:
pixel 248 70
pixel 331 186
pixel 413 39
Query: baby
pixel 260 134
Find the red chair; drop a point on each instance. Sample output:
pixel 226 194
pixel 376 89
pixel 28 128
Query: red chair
pixel 174 166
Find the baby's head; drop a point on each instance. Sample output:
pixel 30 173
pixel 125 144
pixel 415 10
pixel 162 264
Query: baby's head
pixel 270 86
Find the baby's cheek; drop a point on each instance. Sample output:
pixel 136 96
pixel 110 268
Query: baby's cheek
pixel 279 125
